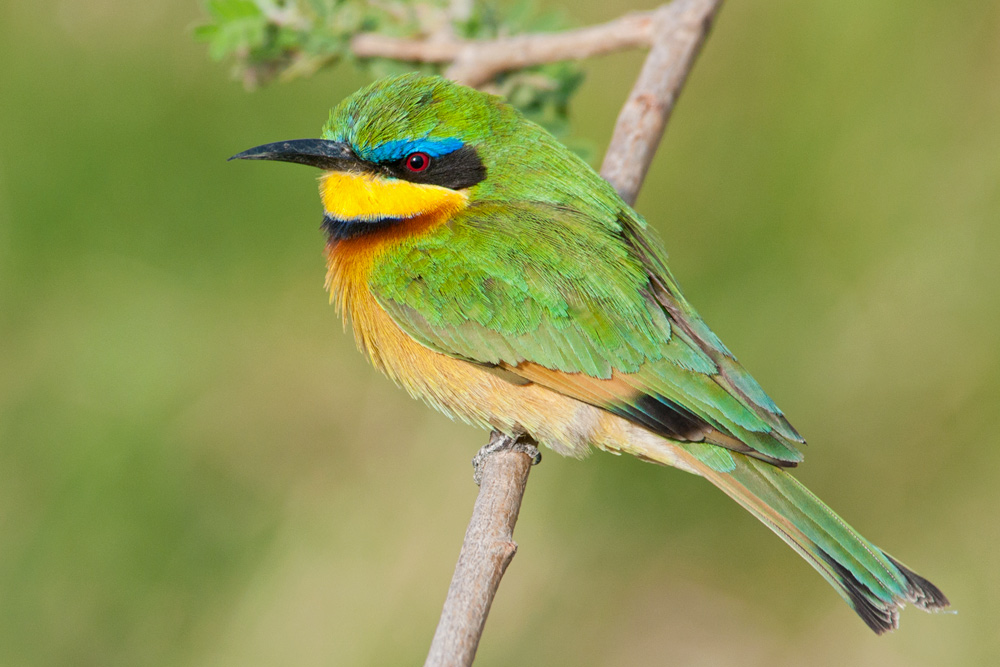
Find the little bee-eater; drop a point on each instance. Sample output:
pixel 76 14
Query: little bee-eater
pixel 492 273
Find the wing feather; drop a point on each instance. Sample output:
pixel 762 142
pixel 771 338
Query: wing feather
pixel 588 309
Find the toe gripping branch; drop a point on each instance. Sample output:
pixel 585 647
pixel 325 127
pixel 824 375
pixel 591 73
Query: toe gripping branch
pixel 501 442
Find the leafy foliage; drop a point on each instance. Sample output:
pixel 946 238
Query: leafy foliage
pixel 285 39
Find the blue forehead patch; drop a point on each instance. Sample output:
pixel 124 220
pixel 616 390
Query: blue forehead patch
pixel 397 149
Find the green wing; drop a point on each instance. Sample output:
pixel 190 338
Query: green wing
pixel 590 301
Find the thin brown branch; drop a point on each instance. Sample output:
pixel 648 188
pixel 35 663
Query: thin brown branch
pixel 676 32
pixel 502 469
pixel 372 45
pixel 475 63
pixel 682 27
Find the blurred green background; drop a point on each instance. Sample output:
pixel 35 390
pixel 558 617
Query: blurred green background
pixel 197 468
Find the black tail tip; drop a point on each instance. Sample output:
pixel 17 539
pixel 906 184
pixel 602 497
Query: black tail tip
pixel 921 592
pixel 884 617
pixel 881 615
pixel 877 614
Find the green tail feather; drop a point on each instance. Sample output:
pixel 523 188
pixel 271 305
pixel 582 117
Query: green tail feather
pixel 872 582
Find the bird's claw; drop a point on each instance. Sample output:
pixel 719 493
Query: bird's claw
pixel 502 442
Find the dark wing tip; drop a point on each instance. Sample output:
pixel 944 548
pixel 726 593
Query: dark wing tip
pixel 665 417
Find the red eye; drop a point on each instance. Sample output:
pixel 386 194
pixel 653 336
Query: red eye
pixel 418 162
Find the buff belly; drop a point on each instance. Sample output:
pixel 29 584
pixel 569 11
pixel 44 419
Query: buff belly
pixel 477 396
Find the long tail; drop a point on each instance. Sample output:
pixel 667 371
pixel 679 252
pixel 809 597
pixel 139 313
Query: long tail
pixel 872 582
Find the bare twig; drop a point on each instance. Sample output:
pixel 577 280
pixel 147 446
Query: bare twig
pixel 676 33
pixel 682 27
pixel 502 471
pixel 475 63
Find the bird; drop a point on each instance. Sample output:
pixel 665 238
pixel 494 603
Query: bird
pixel 492 273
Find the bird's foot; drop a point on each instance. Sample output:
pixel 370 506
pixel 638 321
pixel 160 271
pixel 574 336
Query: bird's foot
pixel 500 442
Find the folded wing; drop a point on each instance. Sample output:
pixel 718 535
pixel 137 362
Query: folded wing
pixel 586 308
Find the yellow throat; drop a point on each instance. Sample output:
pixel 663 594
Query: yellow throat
pixel 367 197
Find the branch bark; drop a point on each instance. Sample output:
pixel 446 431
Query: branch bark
pixel 502 469
pixel 675 33
pixel 682 27
pixel 476 63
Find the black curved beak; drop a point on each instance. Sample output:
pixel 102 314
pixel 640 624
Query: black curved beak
pixel 332 155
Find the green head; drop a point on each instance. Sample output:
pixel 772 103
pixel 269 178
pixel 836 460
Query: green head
pixel 411 145
pixel 399 116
